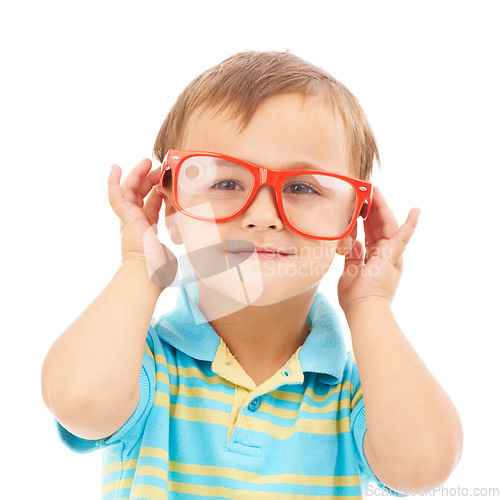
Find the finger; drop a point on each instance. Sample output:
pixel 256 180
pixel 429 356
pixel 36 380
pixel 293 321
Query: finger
pixel 403 235
pixel 150 181
pixel 115 174
pixel 135 178
pixel 115 191
pixel 381 222
pixel 152 207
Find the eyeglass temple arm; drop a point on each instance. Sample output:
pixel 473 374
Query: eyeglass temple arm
pixel 366 207
pixel 165 167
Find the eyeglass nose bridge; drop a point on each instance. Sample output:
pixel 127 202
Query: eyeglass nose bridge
pixel 266 177
pixel 263 174
pixel 269 178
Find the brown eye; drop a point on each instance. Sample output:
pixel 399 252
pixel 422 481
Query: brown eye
pixel 226 185
pixel 299 189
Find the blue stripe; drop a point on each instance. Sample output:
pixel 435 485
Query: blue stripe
pixel 199 402
pixel 257 450
pixel 239 485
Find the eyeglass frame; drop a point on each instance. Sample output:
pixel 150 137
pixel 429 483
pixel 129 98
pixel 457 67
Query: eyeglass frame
pixel 270 177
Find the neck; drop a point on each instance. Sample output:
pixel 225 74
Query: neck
pixel 261 338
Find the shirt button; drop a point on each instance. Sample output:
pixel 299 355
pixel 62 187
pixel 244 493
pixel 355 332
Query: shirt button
pixel 286 372
pixel 254 405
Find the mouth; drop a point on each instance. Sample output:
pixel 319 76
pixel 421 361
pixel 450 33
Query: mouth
pixel 245 249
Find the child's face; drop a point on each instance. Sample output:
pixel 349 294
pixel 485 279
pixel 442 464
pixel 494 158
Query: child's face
pixel 286 131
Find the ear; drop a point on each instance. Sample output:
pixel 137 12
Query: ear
pixel 170 215
pixel 345 244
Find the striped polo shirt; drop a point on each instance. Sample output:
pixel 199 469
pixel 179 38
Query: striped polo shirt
pixel 203 429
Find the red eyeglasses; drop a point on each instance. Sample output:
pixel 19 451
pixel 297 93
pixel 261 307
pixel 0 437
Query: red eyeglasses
pixel 215 187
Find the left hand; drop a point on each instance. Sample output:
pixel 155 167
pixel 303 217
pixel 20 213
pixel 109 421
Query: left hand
pixel 375 273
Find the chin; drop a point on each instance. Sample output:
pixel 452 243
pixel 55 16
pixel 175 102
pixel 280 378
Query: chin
pixel 252 283
pixel 258 293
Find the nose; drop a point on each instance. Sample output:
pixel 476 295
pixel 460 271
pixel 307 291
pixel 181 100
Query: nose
pixel 262 213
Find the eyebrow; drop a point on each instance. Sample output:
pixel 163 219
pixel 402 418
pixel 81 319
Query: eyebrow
pixel 296 165
pixel 304 166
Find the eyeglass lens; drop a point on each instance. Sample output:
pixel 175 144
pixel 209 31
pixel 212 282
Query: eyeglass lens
pixel 315 204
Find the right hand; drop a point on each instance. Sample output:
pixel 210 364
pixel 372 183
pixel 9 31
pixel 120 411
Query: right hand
pixel 139 220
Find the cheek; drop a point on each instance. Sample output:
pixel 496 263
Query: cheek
pixel 310 263
pixel 198 234
pixel 321 253
pixel 315 260
pixel 205 254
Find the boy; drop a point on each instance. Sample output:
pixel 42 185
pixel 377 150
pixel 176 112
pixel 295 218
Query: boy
pixel 245 390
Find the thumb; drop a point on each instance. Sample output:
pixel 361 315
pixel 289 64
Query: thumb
pixel 404 234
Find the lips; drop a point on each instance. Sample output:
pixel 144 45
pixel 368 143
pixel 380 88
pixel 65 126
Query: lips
pixel 271 250
pixel 240 247
pixel 209 261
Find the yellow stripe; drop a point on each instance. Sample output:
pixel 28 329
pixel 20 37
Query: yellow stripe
pixel 239 400
pixel 356 398
pixel 144 470
pixel 220 417
pixel 162 399
pixel 200 392
pixel 116 485
pixel 149 492
pixel 162 377
pixel 292 414
pixel 118 466
pixel 195 392
pixel 193 372
pixel 160 359
pixel 318 398
pixel 153 492
pixel 326 426
pixel 153 452
pixel 253 477
pixel 220 491
pixel 190 372
pixel 148 351
pixel 204 415
pixel 151 470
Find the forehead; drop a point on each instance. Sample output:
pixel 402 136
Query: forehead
pixel 286 129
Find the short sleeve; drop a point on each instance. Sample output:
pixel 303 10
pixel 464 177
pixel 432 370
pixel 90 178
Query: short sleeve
pixel 133 428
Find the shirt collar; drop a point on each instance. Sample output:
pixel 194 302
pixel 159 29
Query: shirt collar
pixel 185 327
pixel 323 352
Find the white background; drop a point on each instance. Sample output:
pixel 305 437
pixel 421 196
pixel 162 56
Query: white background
pixel 88 84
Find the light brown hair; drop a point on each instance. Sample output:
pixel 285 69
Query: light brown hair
pixel 240 83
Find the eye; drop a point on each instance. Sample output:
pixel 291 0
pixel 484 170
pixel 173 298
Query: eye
pixel 227 185
pixel 300 188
